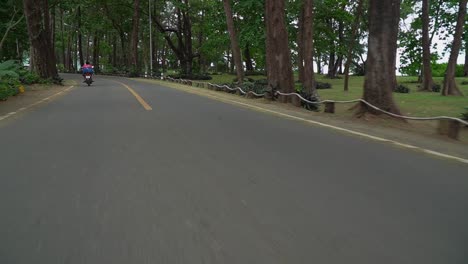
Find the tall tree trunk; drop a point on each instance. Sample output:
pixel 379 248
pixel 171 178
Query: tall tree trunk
pixel 354 32
pixel 114 50
pixel 52 28
pixel 88 46
pixel 236 52
pixel 80 38
pixel 300 44
pixel 308 47
pixel 450 86
pixel 380 75
pixel 319 63
pixel 187 33
pixel 43 55
pixel 134 39
pixel 248 58
pixel 68 59
pixel 278 57
pixel 465 69
pixel 163 58
pixel 96 52
pixel 62 33
pixel 426 45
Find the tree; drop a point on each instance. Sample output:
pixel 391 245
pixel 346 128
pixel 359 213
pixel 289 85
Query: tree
pixel 354 33
pixel 234 42
pixel 278 58
pixel 465 68
pixel 42 52
pixel 380 77
pixel 134 39
pixel 308 46
pixel 426 46
pixel 10 25
pixel 450 86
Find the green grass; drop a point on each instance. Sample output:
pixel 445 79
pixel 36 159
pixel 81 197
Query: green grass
pixel 414 103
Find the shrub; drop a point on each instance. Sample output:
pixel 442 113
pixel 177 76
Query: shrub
pixel 4 91
pixel 436 88
pixel 246 79
pixel 194 76
pixel 9 68
pixel 401 89
pixel 464 83
pixel 307 105
pixel 29 77
pixel 464 115
pixel 254 73
pixel 322 85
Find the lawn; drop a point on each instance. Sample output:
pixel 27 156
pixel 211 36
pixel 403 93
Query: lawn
pixel 415 103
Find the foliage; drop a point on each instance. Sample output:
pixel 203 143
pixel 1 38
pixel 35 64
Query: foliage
pixel 401 89
pixel 438 70
pixel 9 68
pixel 464 115
pixel 191 77
pixel 323 85
pixel 310 106
pixel 9 86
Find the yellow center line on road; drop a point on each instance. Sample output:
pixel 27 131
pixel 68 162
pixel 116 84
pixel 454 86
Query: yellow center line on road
pixel 137 96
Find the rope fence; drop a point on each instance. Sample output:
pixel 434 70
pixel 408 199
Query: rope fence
pixel 461 121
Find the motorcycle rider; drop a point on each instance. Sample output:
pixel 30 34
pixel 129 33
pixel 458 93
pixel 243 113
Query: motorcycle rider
pixel 87 68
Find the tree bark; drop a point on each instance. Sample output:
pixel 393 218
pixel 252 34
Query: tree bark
pixel 134 39
pixel 426 45
pixel 354 32
pixel 450 86
pixel 248 58
pixel 300 44
pixel 278 57
pixel 465 68
pixel 42 53
pixel 308 47
pixel 63 39
pixel 96 52
pixel 380 77
pixel 80 38
pixel 236 52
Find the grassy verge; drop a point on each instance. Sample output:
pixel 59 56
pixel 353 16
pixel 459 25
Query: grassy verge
pixel 414 103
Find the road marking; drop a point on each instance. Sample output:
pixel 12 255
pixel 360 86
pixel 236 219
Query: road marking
pixel 137 96
pixel 33 104
pixel 408 146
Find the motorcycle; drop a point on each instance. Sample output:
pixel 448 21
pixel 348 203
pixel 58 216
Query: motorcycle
pixel 88 78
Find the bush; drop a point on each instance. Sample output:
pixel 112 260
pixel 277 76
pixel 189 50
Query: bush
pixel 246 79
pixel 254 73
pixel 322 85
pixel 29 77
pixel 401 89
pixel 195 76
pixel 464 83
pixel 9 68
pixel 9 86
pixel 464 115
pixel 438 70
pixel 436 88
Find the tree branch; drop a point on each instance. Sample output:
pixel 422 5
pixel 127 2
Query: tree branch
pixel 10 26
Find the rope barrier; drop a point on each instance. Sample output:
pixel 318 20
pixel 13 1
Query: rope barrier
pixel 337 101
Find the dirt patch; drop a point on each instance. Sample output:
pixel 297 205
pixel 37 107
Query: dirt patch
pixel 32 94
pixel 422 134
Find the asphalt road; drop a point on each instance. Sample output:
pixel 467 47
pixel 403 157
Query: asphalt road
pixel 93 177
